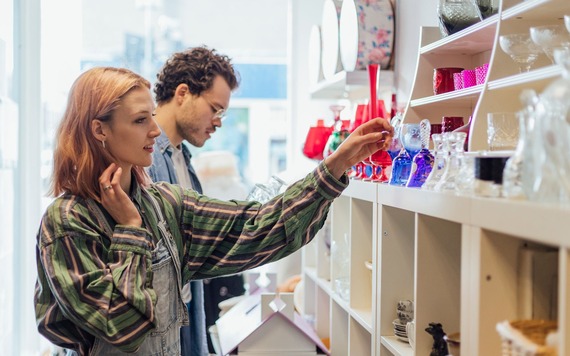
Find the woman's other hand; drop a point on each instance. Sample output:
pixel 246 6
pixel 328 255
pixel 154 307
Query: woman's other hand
pixel 115 200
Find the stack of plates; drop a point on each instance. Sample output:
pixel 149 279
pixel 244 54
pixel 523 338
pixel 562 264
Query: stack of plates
pixel 330 56
pixel 400 330
pixel 315 50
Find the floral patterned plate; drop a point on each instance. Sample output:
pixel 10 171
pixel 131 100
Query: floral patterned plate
pixel 366 33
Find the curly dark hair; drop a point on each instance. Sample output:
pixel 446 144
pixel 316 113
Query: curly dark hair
pixel 197 67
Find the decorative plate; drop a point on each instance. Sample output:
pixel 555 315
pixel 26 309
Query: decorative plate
pixel 366 33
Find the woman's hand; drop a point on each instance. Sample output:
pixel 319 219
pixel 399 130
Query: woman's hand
pixel 115 200
pixel 368 138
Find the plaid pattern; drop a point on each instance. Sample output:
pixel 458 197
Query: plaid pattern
pixel 95 279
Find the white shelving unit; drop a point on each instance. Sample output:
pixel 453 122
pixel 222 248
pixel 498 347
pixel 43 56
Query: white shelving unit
pixel 456 257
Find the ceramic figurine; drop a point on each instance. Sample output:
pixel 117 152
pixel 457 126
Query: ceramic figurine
pixel 439 347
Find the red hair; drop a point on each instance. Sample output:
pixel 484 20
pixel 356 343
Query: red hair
pixel 79 158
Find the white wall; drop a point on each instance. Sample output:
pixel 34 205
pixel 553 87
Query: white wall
pixel 410 16
pixel 258 28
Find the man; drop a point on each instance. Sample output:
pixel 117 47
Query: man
pixel 192 94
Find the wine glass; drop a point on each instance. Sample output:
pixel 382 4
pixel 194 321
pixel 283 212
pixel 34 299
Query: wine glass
pixel 550 37
pixel 336 109
pixel 380 159
pixel 521 49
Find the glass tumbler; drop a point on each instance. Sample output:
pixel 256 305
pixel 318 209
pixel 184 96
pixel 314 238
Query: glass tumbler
pixel 502 131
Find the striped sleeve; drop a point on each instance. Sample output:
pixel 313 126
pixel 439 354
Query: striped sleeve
pixel 88 285
pixel 226 237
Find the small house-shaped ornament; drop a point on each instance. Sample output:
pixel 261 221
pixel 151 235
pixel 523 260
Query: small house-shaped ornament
pixel 267 324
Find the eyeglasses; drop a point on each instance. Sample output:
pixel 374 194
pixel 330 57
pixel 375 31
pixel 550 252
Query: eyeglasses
pixel 218 113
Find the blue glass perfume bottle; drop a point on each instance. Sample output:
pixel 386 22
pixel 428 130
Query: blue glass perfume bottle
pixel 401 168
pixel 402 164
pixel 422 163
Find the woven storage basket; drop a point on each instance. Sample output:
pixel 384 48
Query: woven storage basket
pixel 526 337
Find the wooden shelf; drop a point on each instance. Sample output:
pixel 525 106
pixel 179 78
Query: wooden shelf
pixel 396 346
pixel 474 39
pixel 536 10
pixel 461 97
pixel 525 80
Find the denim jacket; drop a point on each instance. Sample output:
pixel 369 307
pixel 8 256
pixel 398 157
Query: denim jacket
pixel 162 169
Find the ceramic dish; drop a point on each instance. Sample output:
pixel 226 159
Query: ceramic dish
pixel 330 54
pixel 315 50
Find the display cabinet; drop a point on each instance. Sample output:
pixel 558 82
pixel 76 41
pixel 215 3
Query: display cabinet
pixel 472 47
pixel 460 259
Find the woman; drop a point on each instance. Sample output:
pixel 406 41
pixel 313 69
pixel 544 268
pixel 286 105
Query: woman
pixel 113 251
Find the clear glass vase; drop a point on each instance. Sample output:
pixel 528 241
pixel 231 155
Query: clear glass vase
pixel 465 179
pixel 520 164
pixel 440 157
pixel 455 141
pixel 552 163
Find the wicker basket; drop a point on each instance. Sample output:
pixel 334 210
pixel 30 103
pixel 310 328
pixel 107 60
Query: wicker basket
pixel 526 337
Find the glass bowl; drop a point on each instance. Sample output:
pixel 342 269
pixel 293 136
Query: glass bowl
pixel 550 37
pixel 521 48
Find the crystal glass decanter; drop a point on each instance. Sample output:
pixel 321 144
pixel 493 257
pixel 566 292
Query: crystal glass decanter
pixel 465 179
pixel 552 163
pixel 520 163
pixel 440 156
pixel 453 164
pixel 422 162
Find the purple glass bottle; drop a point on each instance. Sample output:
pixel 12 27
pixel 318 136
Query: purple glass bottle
pixel 422 163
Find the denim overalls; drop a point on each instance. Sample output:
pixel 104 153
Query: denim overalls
pixel 170 310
